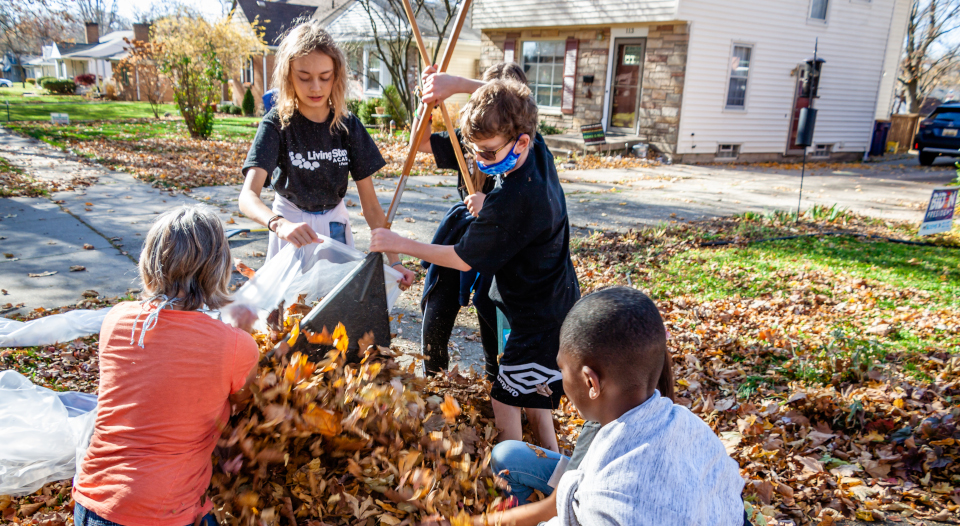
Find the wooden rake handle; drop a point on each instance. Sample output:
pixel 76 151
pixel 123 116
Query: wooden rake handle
pixel 421 125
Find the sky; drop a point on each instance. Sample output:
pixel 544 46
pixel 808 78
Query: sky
pixel 209 8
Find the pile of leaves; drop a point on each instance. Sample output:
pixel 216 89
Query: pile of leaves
pixel 340 442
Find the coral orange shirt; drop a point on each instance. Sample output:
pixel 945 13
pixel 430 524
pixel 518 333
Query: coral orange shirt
pixel 158 414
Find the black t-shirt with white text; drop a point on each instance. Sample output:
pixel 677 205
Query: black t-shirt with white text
pixel 308 163
pixel 522 238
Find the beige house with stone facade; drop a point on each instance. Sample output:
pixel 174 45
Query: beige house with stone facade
pixel 703 80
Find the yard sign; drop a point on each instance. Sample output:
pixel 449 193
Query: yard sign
pixel 60 118
pixel 593 134
pixel 940 211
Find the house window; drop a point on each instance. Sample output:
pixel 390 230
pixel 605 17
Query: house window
pixel 248 72
pixel 368 73
pixel 728 151
pixel 739 69
pixel 542 61
pixel 818 9
pixel 821 150
pixel 373 72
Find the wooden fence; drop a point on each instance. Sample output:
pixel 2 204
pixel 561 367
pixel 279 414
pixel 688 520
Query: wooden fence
pixel 902 129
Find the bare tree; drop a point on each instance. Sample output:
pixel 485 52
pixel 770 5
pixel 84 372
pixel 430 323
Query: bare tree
pixel 929 53
pixel 25 25
pixel 103 12
pixel 394 40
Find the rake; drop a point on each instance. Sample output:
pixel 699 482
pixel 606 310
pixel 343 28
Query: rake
pixel 359 301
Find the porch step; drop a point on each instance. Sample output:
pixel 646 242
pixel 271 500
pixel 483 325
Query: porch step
pixel 573 142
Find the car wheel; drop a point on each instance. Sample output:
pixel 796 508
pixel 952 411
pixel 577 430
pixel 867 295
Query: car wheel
pixel 926 159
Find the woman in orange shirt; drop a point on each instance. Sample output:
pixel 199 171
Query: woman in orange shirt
pixel 168 375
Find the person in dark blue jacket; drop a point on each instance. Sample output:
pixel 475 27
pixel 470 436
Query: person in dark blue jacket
pixel 446 290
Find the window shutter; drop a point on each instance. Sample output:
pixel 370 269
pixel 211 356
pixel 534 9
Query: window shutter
pixel 569 76
pixel 509 51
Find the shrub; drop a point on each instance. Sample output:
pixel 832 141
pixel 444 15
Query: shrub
pixel 367 109
pixel 235 110
pixel 30 81
pixel 249 105
pixel 111 92
pixel 353 105
pixel 395 105
pixel 42 80
pixel 62 87
pixel 546 129
pixel 87 79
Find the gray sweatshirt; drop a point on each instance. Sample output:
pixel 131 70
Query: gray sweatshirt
pixel 657 464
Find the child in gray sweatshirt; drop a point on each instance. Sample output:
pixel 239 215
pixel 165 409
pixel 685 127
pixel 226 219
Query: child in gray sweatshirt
pixel 652 461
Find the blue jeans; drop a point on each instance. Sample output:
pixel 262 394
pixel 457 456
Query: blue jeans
pixel 84 517
pixel 523 468
pixel 338 231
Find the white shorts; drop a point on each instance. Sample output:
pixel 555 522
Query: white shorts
pixel 319 222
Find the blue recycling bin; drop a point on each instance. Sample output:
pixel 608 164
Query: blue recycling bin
pixel 269 99
pixel 878 145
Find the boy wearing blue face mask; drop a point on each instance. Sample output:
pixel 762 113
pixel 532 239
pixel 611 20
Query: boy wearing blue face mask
pixel 521 237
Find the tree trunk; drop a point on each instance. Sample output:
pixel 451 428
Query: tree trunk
pixel 912 93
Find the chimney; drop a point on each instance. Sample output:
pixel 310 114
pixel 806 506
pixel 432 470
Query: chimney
pixel 141 32
pixel 93 32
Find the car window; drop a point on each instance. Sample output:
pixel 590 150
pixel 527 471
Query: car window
pixel 949 117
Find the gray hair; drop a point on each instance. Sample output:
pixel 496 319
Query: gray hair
pixel 186 252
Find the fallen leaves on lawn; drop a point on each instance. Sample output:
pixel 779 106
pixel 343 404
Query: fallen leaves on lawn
pixel 810 388
pixel 42 274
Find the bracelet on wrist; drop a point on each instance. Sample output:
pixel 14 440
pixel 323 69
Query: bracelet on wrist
pixel 271 220
pixel 397 263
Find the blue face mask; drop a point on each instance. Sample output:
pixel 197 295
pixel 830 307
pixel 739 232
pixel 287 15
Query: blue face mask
pixel 508 163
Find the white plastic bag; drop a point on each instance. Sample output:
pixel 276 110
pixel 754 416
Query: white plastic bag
pixel 314 270
pixel 51 329
pixel 44 434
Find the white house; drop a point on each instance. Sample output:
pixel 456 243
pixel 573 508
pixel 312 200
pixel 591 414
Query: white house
pixel 704 80
pixel 65 60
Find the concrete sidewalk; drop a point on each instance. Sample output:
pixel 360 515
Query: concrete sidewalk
pixel 48 234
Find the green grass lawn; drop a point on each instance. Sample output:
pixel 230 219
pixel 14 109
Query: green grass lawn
pixel 33 95
pixel 82 110
pixel 750 271
pixel 224 128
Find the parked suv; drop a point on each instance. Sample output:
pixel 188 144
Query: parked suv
pixel 939 134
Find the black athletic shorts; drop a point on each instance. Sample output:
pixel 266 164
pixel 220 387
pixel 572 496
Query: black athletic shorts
pixel 528 375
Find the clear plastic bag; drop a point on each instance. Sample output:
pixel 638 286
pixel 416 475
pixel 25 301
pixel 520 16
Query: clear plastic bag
pixel 51 329
pixel 44 433
pixel 314 270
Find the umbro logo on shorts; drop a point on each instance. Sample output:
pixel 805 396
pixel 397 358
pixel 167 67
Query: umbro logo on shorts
pixel 525 378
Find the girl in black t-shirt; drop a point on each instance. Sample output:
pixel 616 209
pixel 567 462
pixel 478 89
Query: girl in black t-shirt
pixel 306 147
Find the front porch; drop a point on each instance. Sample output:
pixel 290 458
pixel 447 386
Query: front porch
pixel 566 144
